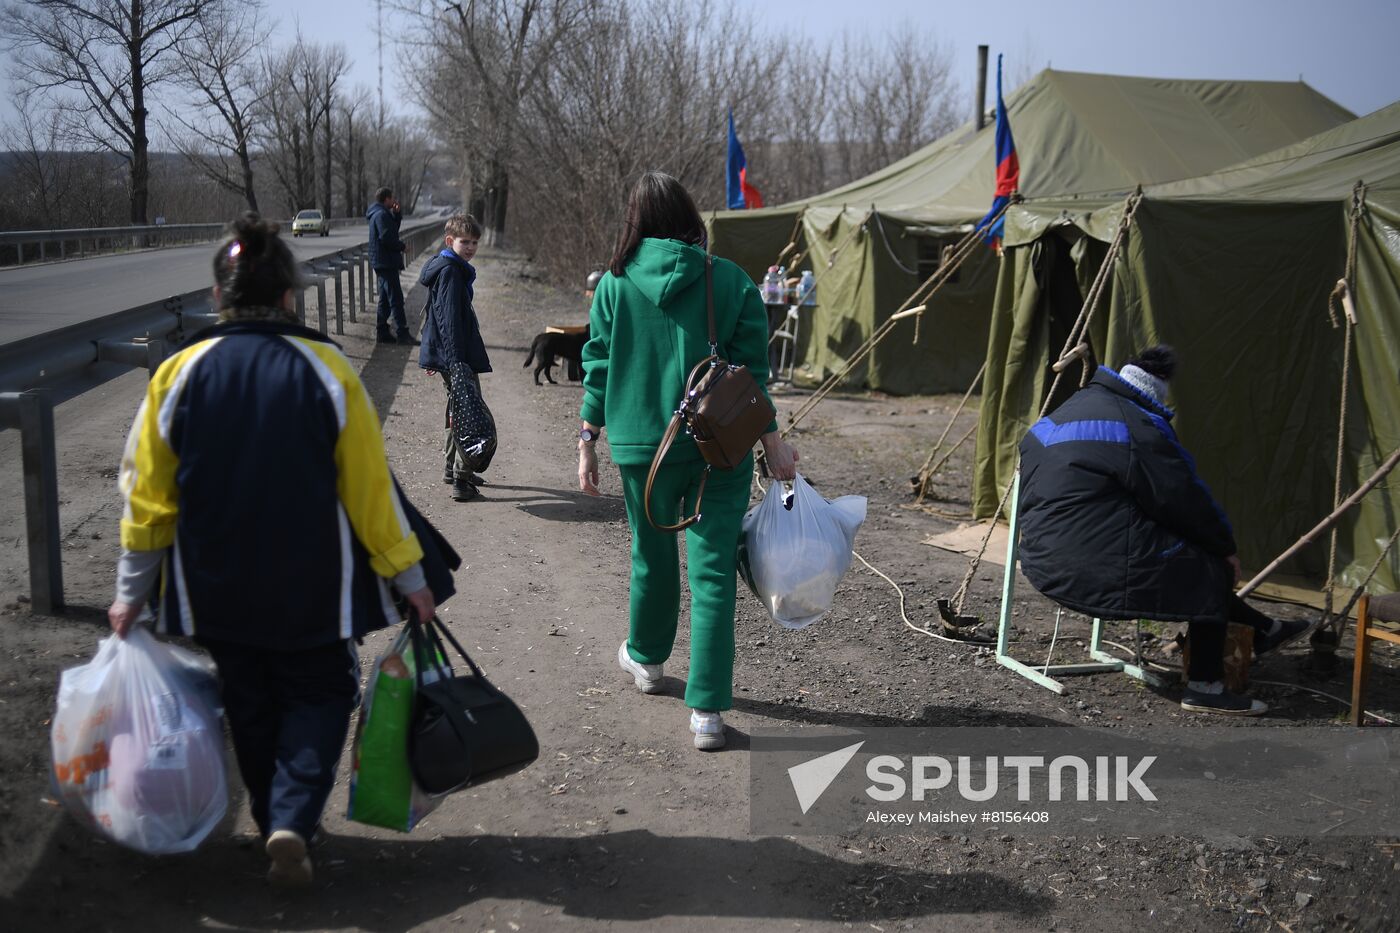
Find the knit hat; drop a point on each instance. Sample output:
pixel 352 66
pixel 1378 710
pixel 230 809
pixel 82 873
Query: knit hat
pixel 1149 385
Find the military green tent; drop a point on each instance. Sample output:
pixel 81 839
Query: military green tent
pixel 873 241
pixel 1233 268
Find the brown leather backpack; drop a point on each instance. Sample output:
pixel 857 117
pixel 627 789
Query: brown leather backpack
pixel 722 406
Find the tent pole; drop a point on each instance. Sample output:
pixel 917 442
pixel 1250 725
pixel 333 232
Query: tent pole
pixel 1326 523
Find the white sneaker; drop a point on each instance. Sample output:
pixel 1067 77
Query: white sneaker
pixel 291 866
pixel 647 677
pixel 708 728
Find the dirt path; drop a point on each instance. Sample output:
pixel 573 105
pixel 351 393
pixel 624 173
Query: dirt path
pixel 621 822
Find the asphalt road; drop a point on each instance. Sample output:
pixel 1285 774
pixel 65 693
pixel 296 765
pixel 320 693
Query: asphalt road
pixel 42 297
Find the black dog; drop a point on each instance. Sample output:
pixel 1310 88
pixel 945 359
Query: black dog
pixel 547 346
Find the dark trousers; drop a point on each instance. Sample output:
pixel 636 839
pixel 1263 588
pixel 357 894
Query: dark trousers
pixel 289 712
pixel 1208 639
pixel 390 301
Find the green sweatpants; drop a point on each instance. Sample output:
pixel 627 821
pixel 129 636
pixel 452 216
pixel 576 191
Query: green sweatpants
pixel 712 546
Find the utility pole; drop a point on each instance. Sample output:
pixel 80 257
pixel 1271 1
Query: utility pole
pixel 379 119
pixel 379 33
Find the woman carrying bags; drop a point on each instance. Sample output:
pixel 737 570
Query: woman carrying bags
pixel 261 512
pixel 650 328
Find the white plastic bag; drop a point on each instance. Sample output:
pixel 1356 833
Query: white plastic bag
pixel 138 748
pixel 797 547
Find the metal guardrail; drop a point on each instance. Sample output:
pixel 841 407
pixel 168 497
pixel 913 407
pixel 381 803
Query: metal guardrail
pixel 117 238
pixel 39 372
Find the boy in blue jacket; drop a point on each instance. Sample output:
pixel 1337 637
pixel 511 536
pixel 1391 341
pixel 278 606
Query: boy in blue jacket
pixel 452 346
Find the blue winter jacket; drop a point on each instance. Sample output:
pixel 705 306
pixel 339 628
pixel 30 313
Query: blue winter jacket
pixel 385 247
pixel 1115 520
pixel 451 333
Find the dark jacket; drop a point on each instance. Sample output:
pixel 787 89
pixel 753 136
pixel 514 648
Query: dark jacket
pixel 385 247
pixel 1114 520
pixel 451 333
pixel 257 465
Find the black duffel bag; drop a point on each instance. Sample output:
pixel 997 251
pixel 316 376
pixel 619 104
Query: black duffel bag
pixel 464 731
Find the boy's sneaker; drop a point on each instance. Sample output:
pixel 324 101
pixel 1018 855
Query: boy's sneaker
pixel 291 866
pixel 647 677
pixel 708 728
pixel 1286 631
pixel 464 491
pixel 1221 702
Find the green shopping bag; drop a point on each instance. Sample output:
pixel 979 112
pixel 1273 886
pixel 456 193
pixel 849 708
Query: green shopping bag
pixel 382 792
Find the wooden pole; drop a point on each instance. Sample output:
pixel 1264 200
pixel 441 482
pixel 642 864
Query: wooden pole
pixel 1325 524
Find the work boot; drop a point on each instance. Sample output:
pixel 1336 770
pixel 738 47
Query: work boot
pixel 291 866
pixel 1214 698
pixel 463 491
pixel 647 677
pixel 1284 632
pixel 708 728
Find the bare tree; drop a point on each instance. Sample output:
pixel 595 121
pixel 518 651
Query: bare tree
pixel 502 49
pixel 639 87
pixel 299 83
pixel 44 174
pixel 629 86
pixel 893 99
pixel 793 146
pixel 353 106
pixel 226 97
pixel 97 62
pixel 334 64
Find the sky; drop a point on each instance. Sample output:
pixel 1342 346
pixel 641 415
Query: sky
pixel 1343 48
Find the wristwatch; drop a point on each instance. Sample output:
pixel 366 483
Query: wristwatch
pixel 588 436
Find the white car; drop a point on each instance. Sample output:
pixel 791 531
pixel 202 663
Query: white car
pixel 310 221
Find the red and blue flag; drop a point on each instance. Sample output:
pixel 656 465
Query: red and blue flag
pixel 1008 172
pixel 739 194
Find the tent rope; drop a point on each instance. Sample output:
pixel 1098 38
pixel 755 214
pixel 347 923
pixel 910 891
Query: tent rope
pixel 925 474
pixel 909 308
pixel 1343 292
pixel 885 238
pixel 1081 326
pixel 792 240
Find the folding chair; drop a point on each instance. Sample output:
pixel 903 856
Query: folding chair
pixel 1103 662
pixel 1370 609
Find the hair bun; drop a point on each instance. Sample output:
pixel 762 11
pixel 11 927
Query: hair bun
pixel 253 232
pixel 1159 360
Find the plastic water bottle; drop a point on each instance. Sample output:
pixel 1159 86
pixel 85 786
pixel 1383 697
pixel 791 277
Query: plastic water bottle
pixel 807 289
pixel 772 287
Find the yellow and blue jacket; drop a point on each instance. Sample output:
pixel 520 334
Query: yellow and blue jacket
pixel 257 464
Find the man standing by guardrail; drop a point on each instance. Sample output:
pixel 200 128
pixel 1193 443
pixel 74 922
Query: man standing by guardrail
pixel 386 257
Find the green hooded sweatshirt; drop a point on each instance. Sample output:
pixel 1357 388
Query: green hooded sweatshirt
pixel 648 329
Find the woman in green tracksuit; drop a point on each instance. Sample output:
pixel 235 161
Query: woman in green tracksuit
pixel 648 327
